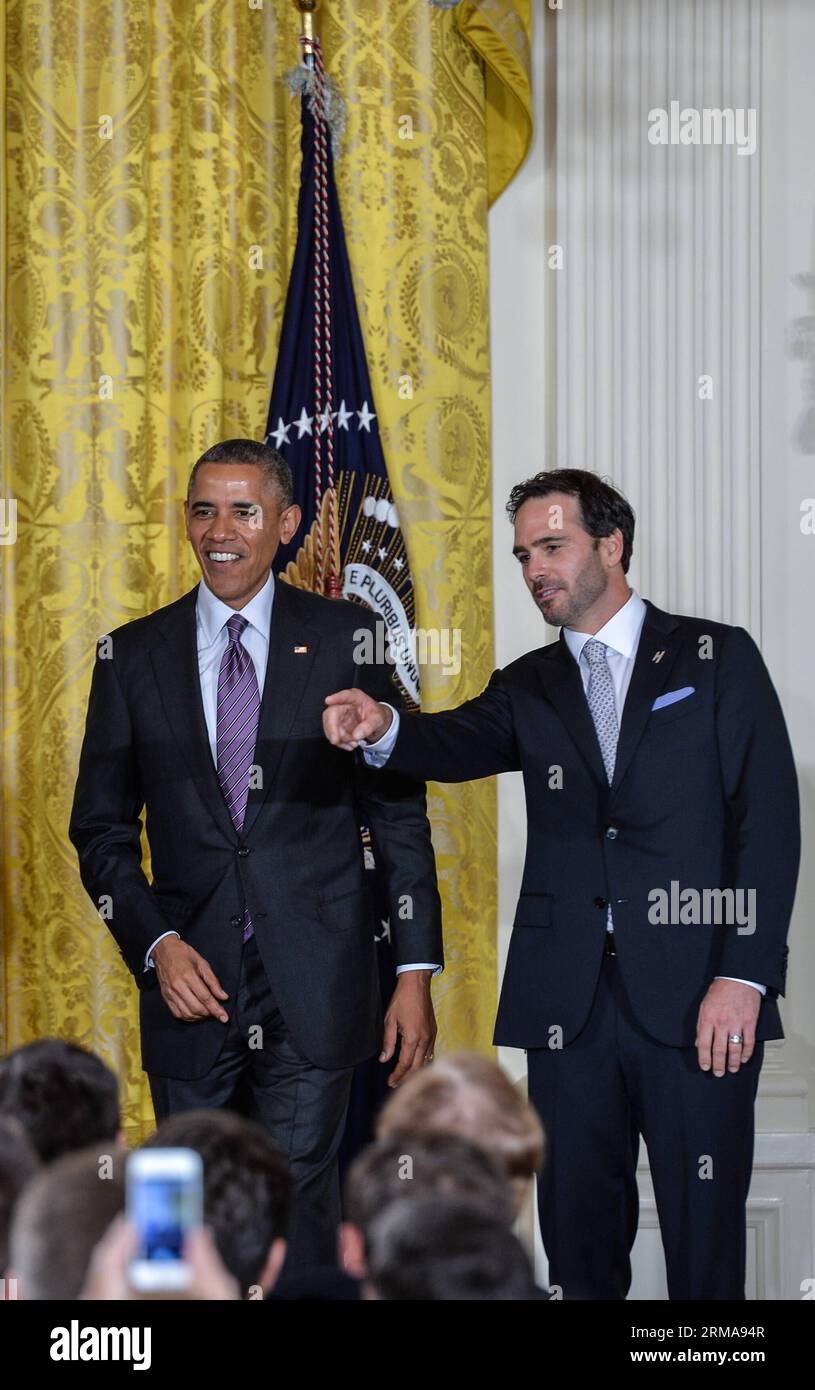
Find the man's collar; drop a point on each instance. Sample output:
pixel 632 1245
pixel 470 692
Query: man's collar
pixel 621 633
pixel 213 613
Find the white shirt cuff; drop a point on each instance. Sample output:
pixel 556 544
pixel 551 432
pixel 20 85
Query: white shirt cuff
pixel 377 754
pixel 148 959
pixel 762 989
pixel 423 965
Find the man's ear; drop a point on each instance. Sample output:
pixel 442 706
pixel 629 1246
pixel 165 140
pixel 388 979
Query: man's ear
pixel 290 523
pixel 613 547
pixel 351 1250
pixel 270 1273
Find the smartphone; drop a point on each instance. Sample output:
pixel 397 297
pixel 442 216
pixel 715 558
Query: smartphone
pixel 164 1200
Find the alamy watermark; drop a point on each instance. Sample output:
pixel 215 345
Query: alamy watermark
pixel 712 125
pixel 706 907
pixel 422 646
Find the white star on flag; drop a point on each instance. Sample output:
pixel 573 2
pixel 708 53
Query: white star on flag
pixel 365 417
pixel 398 563
pixel 324 420
pixel 366 545
pixel 343 416
pixel 382 553
pixel 281 434
pixel 303 424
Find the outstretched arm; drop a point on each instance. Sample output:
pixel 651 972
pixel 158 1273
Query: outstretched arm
pixel 476 740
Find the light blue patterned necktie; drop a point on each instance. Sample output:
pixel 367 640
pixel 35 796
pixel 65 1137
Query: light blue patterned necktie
pixel 600 696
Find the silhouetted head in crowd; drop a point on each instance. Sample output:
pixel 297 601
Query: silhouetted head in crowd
pixel 443 1249
pixel 410 1164
pixel 464 1093
pixel 62 1214
pixel 247 1189
pixel 65 1098
pixel 18 1165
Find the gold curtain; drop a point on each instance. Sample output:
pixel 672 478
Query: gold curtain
pixel 148 185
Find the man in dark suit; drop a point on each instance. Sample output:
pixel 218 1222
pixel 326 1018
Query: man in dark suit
pixel 253 946
pixel 648 947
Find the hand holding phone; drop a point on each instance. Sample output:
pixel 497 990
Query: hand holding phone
pixel 164 1203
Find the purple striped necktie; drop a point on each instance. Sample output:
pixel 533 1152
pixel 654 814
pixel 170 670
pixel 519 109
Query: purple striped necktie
pixel 237 729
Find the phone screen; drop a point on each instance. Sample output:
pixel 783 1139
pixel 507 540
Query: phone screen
pixel 163 1209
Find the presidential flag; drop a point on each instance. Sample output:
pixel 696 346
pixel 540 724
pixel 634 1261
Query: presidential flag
pixel 322 419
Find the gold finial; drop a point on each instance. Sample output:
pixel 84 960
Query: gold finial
pixel 307 10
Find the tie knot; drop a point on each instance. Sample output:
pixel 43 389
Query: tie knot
pixel 595 651
pixel 235 626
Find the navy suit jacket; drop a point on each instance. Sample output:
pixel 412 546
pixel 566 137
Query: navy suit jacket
pixel 298 862
pixel 704 795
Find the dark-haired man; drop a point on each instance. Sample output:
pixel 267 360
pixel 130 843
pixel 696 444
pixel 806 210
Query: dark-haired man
pixel 419 1164
pixel 443 1250
pixel 63 1096
pixel 648 947
pixel 247 1190
pixel 253 947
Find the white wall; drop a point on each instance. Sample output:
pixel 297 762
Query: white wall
pixel 679 261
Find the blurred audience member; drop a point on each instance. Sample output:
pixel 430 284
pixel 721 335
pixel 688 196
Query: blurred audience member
pixel 443 1249
pixel 247 1190
pixel 18 1165
pixel 59 1218
pixel 464 1093
pixel 412 1165
pixel 65 1098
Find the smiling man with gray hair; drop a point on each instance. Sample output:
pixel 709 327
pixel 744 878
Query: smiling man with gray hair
pixel 253 946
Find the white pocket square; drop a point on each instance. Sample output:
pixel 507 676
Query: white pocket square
pixel 672 696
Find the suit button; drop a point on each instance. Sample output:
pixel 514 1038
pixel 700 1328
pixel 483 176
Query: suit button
pixel 601 902
pixel 243 850
pixel 612 832
pixel 235 921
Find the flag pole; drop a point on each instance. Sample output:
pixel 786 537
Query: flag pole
pixel 306 9
pixel 327 578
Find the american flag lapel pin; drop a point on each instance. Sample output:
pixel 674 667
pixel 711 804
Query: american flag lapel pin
pixel 658 656
pixel 300 651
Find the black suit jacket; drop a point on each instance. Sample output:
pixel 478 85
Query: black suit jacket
pixel 298 864
pixel 704 794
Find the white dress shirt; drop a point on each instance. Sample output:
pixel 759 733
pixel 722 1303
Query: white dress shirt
pixel 621 635
pixel 211 618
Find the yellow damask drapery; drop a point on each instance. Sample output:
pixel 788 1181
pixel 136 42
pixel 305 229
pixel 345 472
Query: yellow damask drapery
pixel 149 148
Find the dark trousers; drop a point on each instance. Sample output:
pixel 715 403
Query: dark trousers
pixel 595 1098
pixel 302 1107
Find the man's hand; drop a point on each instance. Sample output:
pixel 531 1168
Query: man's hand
pixel 410 1015
pixel 352 715
pixel 728 1007
pixel 189 985
pixel 108 1274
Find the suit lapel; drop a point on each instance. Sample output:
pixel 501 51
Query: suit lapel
pixel 563 687
pixel 656 654
pixel 175 664
pixel 287 675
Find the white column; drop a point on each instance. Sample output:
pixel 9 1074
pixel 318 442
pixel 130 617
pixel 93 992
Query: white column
pixel 660 286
